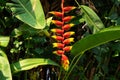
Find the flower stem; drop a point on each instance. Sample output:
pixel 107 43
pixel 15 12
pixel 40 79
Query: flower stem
pixel 60 73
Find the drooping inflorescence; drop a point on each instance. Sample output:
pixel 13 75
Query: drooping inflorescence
pixel 62 35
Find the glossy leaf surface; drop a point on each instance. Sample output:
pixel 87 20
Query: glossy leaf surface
pixel 92 19
pixel 29 11
pixel 4 41
pixel 5 72
pixel 97 39
pixel 27 64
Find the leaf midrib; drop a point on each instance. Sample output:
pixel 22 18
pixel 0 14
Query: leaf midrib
pixel 90 19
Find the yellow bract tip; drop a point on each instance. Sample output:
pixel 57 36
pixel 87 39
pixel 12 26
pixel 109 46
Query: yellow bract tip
pixel 54 52
pixel 53 21
pixel 51 12
pixel 72 33
pixel 71 39
pixel 52 30
pixel 70 47
pixel 65 65
pixel 72 24
pixel 74 7
pixel 73 17
pixel 53 36
pixel 54 44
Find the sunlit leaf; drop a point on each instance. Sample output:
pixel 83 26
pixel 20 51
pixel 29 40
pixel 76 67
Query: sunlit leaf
pixel 29 11
pixel 27 64
pixel 5 72
pixel 4 41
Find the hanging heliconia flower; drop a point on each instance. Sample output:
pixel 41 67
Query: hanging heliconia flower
pixel 62 35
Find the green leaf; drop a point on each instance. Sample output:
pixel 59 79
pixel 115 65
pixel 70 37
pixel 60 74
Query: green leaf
pixel 49 21
pixel 2 54
pixel 118 21
pixel 91 41
pixel 4 41
pixel 28 64
pixel 92 19
pixel 5 72
pixel 29 11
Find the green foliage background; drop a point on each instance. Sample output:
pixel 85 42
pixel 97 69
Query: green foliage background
pixel 26 45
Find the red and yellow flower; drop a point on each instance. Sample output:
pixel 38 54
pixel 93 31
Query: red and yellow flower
pixel 62 35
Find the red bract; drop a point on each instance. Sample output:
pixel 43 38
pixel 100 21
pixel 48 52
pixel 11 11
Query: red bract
pixel 68 8
pixel 67 48
pixel 68 40
pixel 58 31
pixel 60 38
pixel 68 34
pixel 57 23
pixel 68 18
pixel 67 26
pixel 58 14
pixel 58 45
pixel 59 52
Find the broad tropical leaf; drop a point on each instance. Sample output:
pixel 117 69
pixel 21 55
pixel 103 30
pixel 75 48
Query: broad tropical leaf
pixel 28 64
pixel 5 72
pixel 91 19
pixel 97 39
pixel 4 41
pixel 29 11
